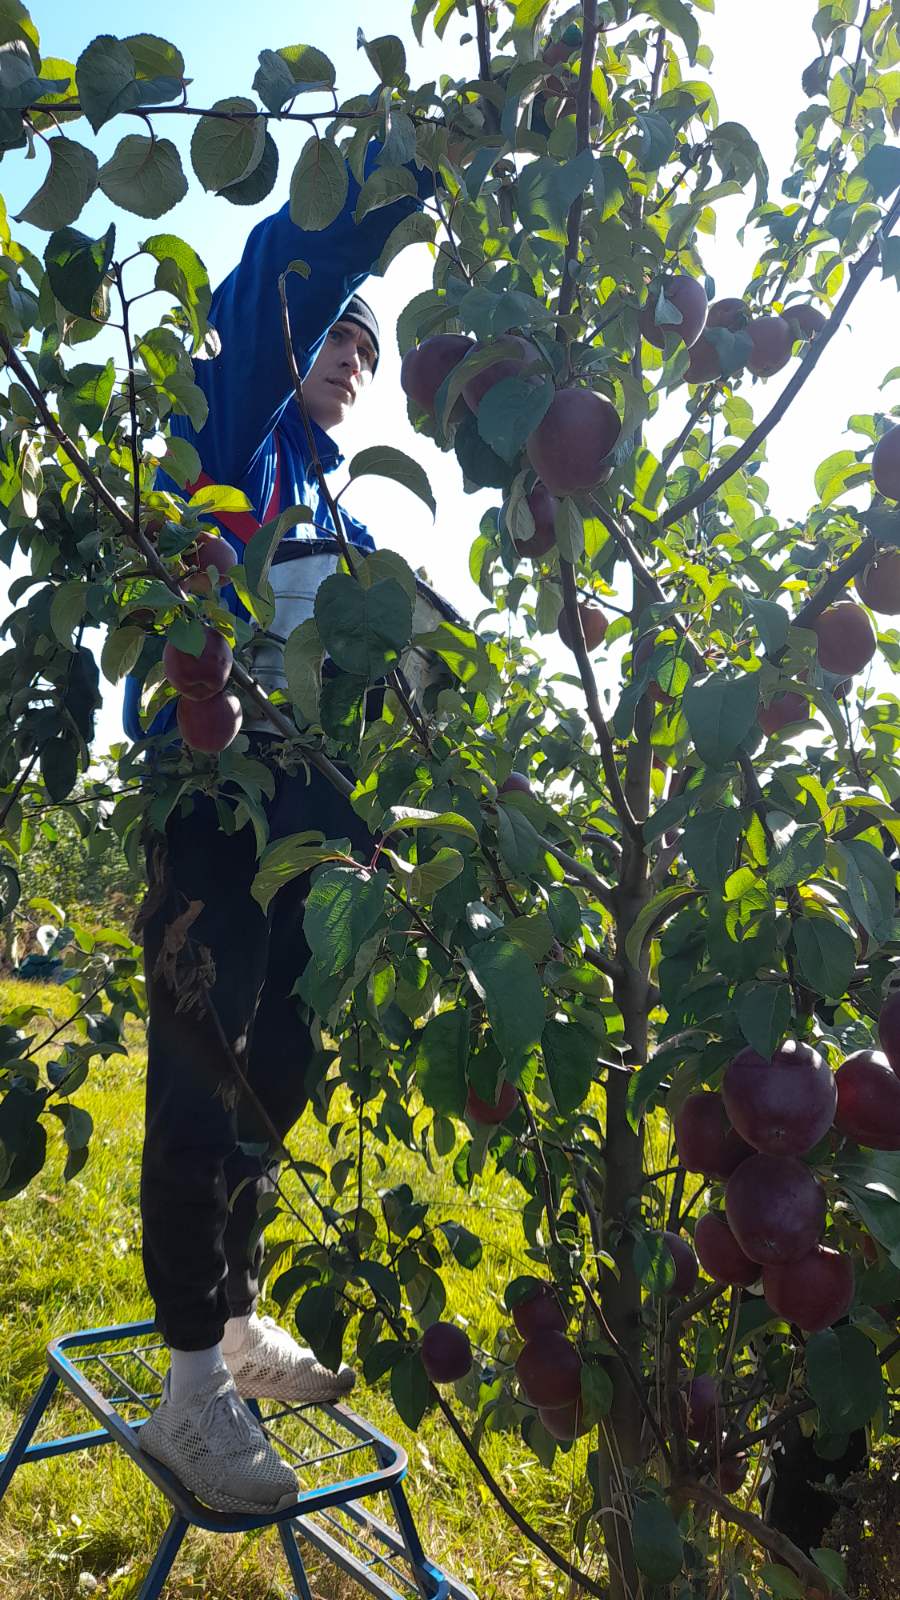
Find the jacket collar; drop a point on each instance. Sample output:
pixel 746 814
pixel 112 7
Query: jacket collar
pixel 329 454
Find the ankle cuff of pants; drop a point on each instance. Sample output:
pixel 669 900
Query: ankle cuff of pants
pixel 190 1336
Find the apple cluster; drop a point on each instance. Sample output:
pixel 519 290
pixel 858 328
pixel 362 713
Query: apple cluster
pixel 771 1112
pixel 209 714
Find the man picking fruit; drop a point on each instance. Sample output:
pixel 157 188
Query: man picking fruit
pixel 203 1175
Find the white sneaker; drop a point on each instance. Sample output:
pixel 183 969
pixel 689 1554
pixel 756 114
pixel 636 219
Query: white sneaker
pixel 218 1450
pixel 270 1365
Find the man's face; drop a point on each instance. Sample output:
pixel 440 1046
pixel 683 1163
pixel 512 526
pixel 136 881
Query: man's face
pixel 344 365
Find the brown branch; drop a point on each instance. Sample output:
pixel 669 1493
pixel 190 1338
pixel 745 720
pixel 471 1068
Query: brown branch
pixel 603 963
pixel 776 1543
pixel 858 274
pixel 579 1579
pixel 583 874
pixel 835 582
pixel 595 711
pixel 698 409
pixel 582 141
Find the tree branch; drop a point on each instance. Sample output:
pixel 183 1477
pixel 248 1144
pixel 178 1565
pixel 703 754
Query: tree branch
pixel 595 710
pixel 776 1543
pixel 858 274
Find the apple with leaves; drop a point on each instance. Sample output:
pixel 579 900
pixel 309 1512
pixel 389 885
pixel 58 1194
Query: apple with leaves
pixel 569 446
pixel 446 1352
pixel 210 725
pixel 199 677
pixel 425 368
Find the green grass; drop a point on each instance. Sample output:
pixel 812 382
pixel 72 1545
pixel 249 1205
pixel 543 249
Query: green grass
pixel 88 1524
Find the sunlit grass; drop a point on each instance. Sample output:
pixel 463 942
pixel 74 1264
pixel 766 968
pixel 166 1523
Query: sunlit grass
pixel 71 1259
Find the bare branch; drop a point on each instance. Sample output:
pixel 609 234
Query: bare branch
pixel 595 711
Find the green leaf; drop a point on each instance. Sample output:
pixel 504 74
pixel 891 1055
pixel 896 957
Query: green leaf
pixel 77 265
pixel 67 187
pixel 763 1012
pixel 511 989
pixel 827 955
pixel 182 273
pixel 120 652
pixel 547 188
pixel 423 882
pixel 363 630
pixel 653 914
pixel 880 167
pixel 387 56
pixel 342 909
pixel 833 1565
pixel 798 855
pixel 219 497
pixel 570 1062
pixel 872 887
pixel 781 1581
pixel 709 843
pixel 510 411
pixel 106 75
pixel 520 843
pixel 319 184
pixel 465 1246
pixel 415 229
pixel 260 182
pixel 303 657
pixel 59 767
pixel 410 1389
pixel 596 1391
pixel 144 176
pixel 383 461
pixel 677 17
pixel 84 400
pixel 226 148
pixel 720 713
pixel 285 860
pixel 295 69
pixel 408 818
pixel 181 461
pixel 658 1549
pixel 382 188
pixel 274 80
pixel 845 1379
pixel 441 1061
pixel 611 186
pixel 654 144
pixel 67 609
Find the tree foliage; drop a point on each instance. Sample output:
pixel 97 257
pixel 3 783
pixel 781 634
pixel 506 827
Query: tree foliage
pixel 674 884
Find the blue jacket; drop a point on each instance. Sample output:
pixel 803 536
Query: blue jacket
pixel 248 385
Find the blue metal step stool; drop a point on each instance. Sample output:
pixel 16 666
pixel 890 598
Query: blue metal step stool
pixel 340 1459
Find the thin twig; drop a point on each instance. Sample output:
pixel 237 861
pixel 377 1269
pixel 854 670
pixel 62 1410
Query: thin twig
pixel 595 711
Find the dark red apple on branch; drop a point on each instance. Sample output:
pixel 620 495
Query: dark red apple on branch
pixel 688 297
pixel 569 446
pixel 782 710
pixel 542 505
pixel 489 1115
pixel 775 1208
pixel 594 624
pixel 424 369
pixel 886 464
pixel 720 1255
pixel 564 1423
pixel 446 1352
pixel 549 1370
pixel 705 365
pixel 705 1139
pixel 199 677
pixel 209 726
pixel 516 783
pixel 540 1312
pixel 211 553
pixel 846 639
pixel 878 585
pixel 868 1101
pixel 805 321
pixel 685 1265
pixel 814 1292
pixel 770 345
pixel 507 367
pixel 642 652
pixel 701 1409
pixel 784 1104
pixel 731 1471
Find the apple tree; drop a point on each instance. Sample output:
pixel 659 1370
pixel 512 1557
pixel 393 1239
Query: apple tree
pixel 626 933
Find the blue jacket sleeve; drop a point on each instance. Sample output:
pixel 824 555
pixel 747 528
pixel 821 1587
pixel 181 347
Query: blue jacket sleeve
pixel 248 383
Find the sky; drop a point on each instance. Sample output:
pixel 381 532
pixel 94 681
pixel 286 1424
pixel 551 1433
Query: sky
pixel 760 52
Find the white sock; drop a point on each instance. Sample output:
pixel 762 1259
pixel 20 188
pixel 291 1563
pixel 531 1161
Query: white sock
pixel 236 1332
pixel 191 1368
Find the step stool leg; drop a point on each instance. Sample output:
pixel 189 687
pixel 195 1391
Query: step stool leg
pixel 170 1545
pixel 16 1451
pixel 294 1560
pixel 430 1581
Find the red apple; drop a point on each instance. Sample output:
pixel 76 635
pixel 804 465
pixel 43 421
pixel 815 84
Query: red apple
pixel 731 1472
pixel 770 341
pixel 209 725
pixel 701 1409
pixel 210 551
pixel 199 677
pixel 424 369
pixel 720 1255
pixel 688 297
pixel 540 1313
pixel 846 639
pixel 507 367
pixel 542 505
pixel 814 1292
pixel 685 1265
pixel 886 464
pixel 569 446
pixel 878 585
pixel 868 1101
pixel 478 1110
pixel 775 1208
pixel 564 1422
pixel 549 1370
pixel 805 321
pixel 782 710
pixel 516 783
pixel 783 1105
pixel 705 1140
pixel 446 1352
pixel 594 624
